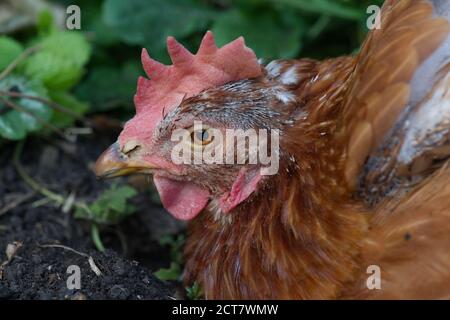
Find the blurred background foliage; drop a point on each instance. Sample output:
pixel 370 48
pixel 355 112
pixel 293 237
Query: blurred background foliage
pixel 95 70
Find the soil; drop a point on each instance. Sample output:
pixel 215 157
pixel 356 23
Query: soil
pixel 43 240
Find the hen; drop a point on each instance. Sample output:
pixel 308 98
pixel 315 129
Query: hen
pixel 363 172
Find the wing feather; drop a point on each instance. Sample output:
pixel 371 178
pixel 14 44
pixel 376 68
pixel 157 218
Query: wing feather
pixel 380 87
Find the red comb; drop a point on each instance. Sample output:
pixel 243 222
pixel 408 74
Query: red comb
pixel 190 74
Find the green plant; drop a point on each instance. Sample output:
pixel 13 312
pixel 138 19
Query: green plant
pixel 194 292
pixel 173 273
pixel 273 28
pixel 19 116
pixel 175 244
pixel 110 207
pixel 33 81
pixel 10 49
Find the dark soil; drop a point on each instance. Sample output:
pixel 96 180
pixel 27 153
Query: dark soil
pixel 39 271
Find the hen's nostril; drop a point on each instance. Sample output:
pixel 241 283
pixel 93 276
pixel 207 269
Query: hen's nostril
pixel 130 146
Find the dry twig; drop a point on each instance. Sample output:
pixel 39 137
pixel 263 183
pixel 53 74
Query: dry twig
pixel 91 262
pixel 17 61
pixel 49 103
pixel 48 125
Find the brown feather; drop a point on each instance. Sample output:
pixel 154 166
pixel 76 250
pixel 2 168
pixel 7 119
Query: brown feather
pixel 409 33
pixel 409 240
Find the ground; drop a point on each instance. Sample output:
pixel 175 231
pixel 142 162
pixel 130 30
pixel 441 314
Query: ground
pixel 42 241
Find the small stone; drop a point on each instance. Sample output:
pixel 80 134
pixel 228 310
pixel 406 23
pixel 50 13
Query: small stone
pixel 78 296
pixel 12 248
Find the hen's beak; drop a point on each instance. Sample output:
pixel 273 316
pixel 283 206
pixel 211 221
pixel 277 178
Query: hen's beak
pixel 112 163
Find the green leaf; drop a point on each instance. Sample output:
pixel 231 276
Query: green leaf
pixel 324 7
pixel 148 24
pixel 95 235
pixel 194 292
pixel 97 86
pixel 15 125
pixel 71 45
pixel 69 101
pixel 96 26
pixel 60 60
pixel 172 273
pixel 266 32
pixel 176 244
pixel 10 49
pixel 54 71
pixel 110 207
pixel 44 23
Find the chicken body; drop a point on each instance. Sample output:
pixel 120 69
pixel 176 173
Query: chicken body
pixel 363 174
pixel 299 235
pixel 307 235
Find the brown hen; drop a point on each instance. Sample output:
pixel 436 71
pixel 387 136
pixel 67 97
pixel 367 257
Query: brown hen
pixel 363 163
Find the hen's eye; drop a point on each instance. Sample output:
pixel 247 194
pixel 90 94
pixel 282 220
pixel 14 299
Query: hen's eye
pixel 202 137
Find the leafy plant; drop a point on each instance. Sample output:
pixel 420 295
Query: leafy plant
pixel 264 31
pixel 110 208
pixel 34 80
pixel 341 9
pixel 70 101
pixel 60 60
pixel 19 116
pixel 273 28
pixel 140 21
pixel 97 86
pixel 174 271
pixel 194 292
pixel 10 49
